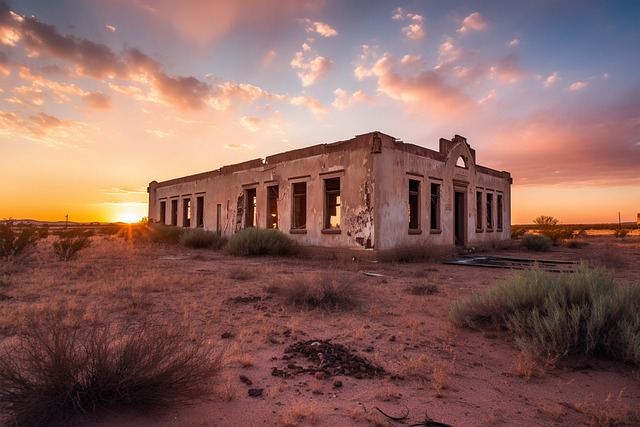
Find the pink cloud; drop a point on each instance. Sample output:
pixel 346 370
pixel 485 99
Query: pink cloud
pixel 577 86
pixel 312 104
pixel 312 68
pixel 426 88
pixel 321 28
pixel 343 100
pixel 473 22
pixel 507 69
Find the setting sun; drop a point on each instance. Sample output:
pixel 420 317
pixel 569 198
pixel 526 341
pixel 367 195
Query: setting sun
pixel 129 217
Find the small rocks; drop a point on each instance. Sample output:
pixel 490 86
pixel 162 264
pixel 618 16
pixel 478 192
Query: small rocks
pixel 329 359
pixel 337 384
pixel 255 392
pixel 245 380
pixel 226 335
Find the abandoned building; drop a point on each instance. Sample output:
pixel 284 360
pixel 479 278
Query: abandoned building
pixel 372 196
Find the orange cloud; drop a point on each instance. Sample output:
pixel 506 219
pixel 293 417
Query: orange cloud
pixel 317 109
pixel 324 30
pixel 97 101
pixel 343 100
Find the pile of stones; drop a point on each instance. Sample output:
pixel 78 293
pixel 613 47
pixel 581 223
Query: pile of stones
pixel 328 360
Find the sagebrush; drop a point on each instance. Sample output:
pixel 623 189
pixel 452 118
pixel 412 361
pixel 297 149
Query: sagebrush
pixel 17 242
pixel 537 243
pixel 199 238
pixel 67 248
pixel 255 241
pixel 60 373
pixel 556 316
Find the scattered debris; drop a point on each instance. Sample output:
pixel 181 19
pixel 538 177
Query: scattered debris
pixel 247 300
pixel 255 392
pixel 372 274
pixel 516 263
pixel 329 359
pixel 428 422
pixel 245 380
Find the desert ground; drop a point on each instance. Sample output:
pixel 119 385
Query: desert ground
pixel 398 321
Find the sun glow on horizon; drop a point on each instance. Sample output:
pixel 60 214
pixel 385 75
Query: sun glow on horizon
pixel 128 217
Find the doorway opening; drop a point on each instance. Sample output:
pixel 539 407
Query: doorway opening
pixel 459 218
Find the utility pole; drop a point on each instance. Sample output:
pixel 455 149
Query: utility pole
pixel 66 221
pixel 619 221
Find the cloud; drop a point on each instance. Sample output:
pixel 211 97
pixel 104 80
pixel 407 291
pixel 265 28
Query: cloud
pixel 344 100
pixel 413 31
pixel 110 28
pixel 43 128
pixel 204 22
pixel 576 86
pixel 552 79
pixel 507 69
pixel 473 22
pixel 448 52
pixel 513 42
pixel 230 91
pixel 97 101
pixel 312 67
pixel 182 92
pixel 312 104
pixel 490 97
pixel 5 65
pixel 324 30
pixel 565 147
pixel 425 88
pixel 252 124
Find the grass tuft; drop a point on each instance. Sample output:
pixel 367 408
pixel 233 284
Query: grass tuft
pixel 555 316
pixel 537 243
pixel 255 242
pixel 59 373
pixel 199 238
pixel 67 248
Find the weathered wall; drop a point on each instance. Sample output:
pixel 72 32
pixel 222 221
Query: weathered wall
pixel 374 171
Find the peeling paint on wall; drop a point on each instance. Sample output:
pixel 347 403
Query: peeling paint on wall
pixel 240 212
pixel 361 223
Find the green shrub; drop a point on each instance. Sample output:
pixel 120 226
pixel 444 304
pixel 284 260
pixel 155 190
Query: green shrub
pixel 255 241
pixel 199 238
pixel 60 374
pixel 16 245
pixel 553 316
pixel 151 232
pixel 67 248
pixel 538 243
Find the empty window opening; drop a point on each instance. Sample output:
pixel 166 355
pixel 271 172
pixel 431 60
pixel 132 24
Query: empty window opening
pixel 479 210
pixel 489 211
pixel 250 208
pixel 200 211
pixel 219 219
pixel 299 213
pixel 332 203
pixel 462 162
pixel 163 212
pixel 272 206
pixel 186 212
pixel 435 206
pixel 414 204
pixel 499 212
pixel 174 212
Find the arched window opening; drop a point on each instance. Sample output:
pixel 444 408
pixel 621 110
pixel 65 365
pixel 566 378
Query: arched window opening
pixel 462 162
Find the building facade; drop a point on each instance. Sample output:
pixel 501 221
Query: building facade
pixel 371 196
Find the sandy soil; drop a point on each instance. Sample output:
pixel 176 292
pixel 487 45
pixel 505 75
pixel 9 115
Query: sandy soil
pixel 434 370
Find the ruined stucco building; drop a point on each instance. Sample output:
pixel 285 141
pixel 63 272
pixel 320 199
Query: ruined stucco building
pixel 371 196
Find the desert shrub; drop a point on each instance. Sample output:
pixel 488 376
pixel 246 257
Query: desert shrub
pixel 61 374
pixel 557 234
pixel 621 232
pixel 535 242
pixel 17 245
pixel 73 232
pixel 576 244
pixel 518 231
pixel 151 232
pixel 67 248
pixel 255 241
pixel 326 291
pixel 546 221
pixel 199 238
pixel 553 316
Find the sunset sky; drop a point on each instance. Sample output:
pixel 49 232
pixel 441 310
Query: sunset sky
pixel 100 97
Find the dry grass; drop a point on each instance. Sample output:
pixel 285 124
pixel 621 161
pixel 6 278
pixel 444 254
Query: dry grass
pixel 60 372
pixel 611 412
pixel 438 367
